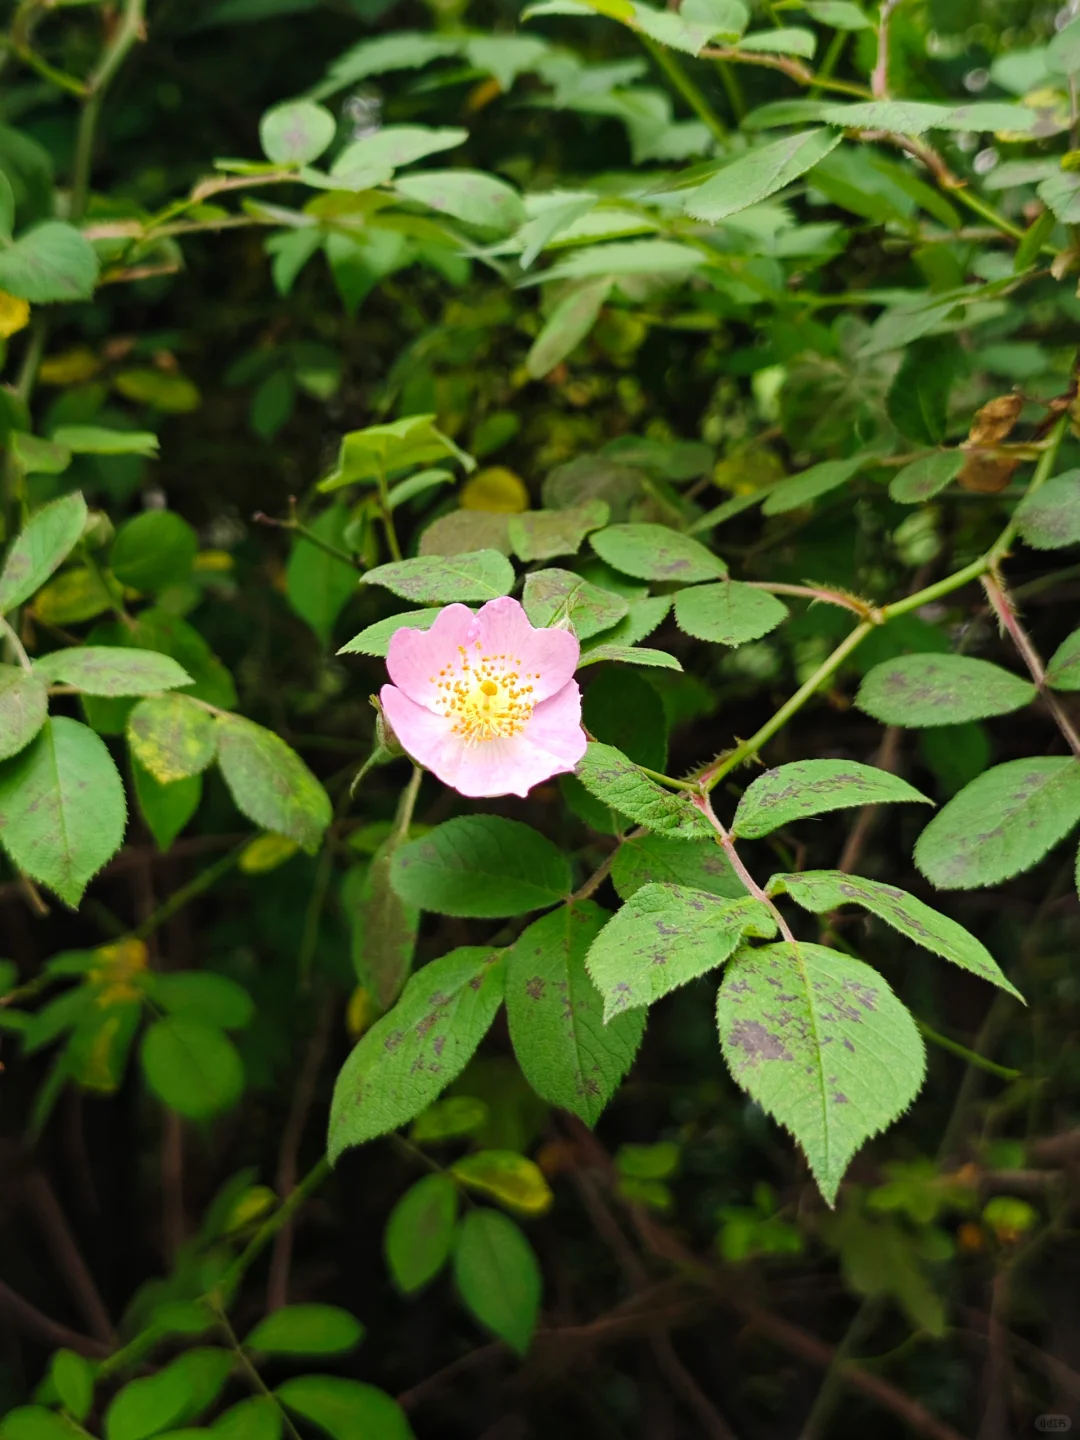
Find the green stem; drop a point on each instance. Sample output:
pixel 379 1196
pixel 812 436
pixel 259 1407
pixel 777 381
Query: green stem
pixel 31 361
pixel 258 1384
pixel 978 206
pixel 387 514
pixel 955 1048
pixel 266 1232
pixel 179 898
pixel 686 87
pixel 829 60
pixel 672 784
pixel 750 747
pixel 130 29
pixel 60 78
pixel 406 806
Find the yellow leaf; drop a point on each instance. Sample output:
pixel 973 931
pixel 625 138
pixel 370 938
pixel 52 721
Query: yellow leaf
pixel 70 367
pixel 75 595
pixel 507 1177
pixel 214 560
pixel 119 962
pixel 495 489
pixel 362 1012
pixel 14 314
pixel 266 852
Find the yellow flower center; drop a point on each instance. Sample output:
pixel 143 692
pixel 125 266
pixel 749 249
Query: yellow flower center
pixel 487 697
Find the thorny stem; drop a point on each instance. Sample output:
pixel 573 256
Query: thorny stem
pixel 1003 607
pixel 704 804
pixel 179 898
pixel 879 80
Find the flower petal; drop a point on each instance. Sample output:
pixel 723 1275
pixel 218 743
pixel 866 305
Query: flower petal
pixel 416 656
pixel 548 657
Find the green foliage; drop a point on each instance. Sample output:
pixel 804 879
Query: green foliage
pixel 420 1232
pixel 412 1054
pixel 480 865
pixel 940 690
pixel 813 787
pixel 1002 823
pixel 567 1050
pixel 820 1042
pixel 765 384
pixel 498 1277
pixel 665 936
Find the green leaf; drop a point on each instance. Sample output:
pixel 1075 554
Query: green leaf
pixel 165 808
pixel 296 133
pixel 76 594
pixel 565 1050
pixel 812 787
pixel 468 195
pixel 165 390
pixel 62 808
pixel 917 690
pixel 925 477
pixel 1001 824
pixel 73 1379
pixel 442 579
pixel 51 262
pixel 622 709
pixel 34 1422
pixel 420 1232
pixel 640 620
pixel 411 1055
pixel 375 640
pixel 452 1118
pixel 306 1330
pixel 192 1067
pixel 665 936
pixel 693 864
pixel 481 866
pixel 393 146
pixel 542 534
pixel 40 548
pixel 630 655
pixel 754 177
pixel 565 328
pixel 1049 518
pixel 1063 672
pixel 653 552
pixel 498 1277
pixel 345 1409
pixel 800 489
pixel 153 550
pixel 915 117
pixel 24 704
pixel 7 207
pixel 821 891
pixel 384 928
pixel 318 585
pixel 380 450
pixel 258 1418
pixel 37 456
pixel 614 779
pixel 1061 194
pixel 730 613
pixel 172 737
pixel 112 670
pixel 97 440
pixel 840 14
pixel 789 40
pixel 821 1043
pixel 270 783
pixel 147 1406
pixel 204 995
pixel 157 629
pixel 672 28
pixel 554 595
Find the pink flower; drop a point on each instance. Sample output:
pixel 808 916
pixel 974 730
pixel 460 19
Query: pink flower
pixel 486 702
